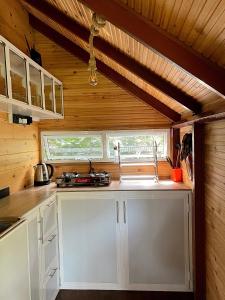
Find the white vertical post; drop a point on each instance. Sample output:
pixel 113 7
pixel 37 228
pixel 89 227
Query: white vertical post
pixel 43 90
pixel 28 82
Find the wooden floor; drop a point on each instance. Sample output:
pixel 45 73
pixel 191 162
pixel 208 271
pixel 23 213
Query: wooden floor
pixel 121 295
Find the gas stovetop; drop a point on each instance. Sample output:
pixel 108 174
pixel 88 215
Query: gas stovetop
pixel 74 179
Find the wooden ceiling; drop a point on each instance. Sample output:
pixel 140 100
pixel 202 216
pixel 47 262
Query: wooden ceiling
pixel 197 27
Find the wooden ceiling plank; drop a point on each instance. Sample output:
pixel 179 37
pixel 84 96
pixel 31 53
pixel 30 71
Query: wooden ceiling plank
pixel 104 69
pixel 121 58
pixel 153 37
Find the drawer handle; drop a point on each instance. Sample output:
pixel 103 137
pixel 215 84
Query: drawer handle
pixel 42 230
pixel 52 273
pixel 117 212
pixel 124 213
pixel 51 203
pixel 51 238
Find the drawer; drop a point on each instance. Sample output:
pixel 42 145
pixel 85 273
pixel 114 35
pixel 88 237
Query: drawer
pixel 51 285
pixel 48 218
pixel 50 251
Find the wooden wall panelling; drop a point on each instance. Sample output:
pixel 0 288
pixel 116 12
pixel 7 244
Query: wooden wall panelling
pixel 14 24
pixel 199 211
pixel 215 209
pixel 161 66
pixel 105 106
pixel 119 57
pixel 113 169
pixel 149 34
pixel 199 24
pixel 19 152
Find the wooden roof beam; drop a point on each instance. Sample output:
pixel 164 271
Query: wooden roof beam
pixel 104 69
pixel 152 36
pixel 112 52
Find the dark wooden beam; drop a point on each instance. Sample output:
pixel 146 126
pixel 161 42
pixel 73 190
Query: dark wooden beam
pixel 104 69
pixel 201 120
pixel 152 36
pixel 175 140
pixel 199 212
pixel 124 60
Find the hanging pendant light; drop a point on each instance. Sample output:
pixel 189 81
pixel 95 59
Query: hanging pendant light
pixel 98 22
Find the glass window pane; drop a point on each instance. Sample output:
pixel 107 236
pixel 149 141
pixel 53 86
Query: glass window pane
pixel 2 71
pixel 58 98
pixel 73 147
pixel 137 146
pixel 48 88
pixel 35 86
pixel 18 77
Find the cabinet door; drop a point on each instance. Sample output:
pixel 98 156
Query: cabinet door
pixel 3 89
pixel 89 240
pixel 18 77
pixel 48 213
pixel 14 265
pixel 58 98
pixel 157 240
pixel 35 86
pixel 48 90
pixel 34 255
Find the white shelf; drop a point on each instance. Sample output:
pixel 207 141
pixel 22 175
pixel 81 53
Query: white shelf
pixel 13 106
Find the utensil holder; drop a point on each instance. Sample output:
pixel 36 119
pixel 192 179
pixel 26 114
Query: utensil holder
pixel 176 175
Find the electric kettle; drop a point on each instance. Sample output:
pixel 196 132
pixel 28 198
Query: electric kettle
pixel 43 173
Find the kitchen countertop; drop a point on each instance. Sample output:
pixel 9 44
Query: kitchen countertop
pixel 20 203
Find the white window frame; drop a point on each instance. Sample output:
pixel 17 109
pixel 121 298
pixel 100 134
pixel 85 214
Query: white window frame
pixel 104 135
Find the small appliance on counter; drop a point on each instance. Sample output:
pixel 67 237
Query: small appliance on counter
pixel 43 174
pixel 74 179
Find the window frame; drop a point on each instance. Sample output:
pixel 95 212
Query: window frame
pixel 104 134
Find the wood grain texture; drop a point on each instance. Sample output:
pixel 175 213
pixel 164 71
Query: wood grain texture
pixel 199 24
pixel 161 66
pixel 105 106
pixel 14 24
pixel 19 150
pixel 215 209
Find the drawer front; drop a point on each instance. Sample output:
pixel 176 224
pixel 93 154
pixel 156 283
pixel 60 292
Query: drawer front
pixel 51 286
pixel 50 251
pixel 49 218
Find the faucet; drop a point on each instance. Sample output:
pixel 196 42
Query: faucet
pixel 91 169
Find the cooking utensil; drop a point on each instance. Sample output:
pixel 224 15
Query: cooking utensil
pixel 169 161
pixel 43 174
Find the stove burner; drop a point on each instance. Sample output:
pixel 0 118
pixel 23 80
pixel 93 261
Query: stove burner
pixel 74 179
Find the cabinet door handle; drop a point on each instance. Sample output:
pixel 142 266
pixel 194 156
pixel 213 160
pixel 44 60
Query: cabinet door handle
pixel 51 238
pixel 42 230
pixel 124 212
pixel 117 211
pixel 53 272
pixel 51 203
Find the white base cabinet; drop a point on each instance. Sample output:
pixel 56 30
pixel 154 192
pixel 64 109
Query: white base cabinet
pixel 157 242
pixel 43 251
pixel 125 240
pixel 14 264
pixel 34 253
pixel 89 240
pixel 49 279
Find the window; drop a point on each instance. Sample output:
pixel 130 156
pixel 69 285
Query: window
pixel 136 145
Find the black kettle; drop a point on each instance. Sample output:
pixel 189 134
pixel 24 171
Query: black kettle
pixel 43 174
